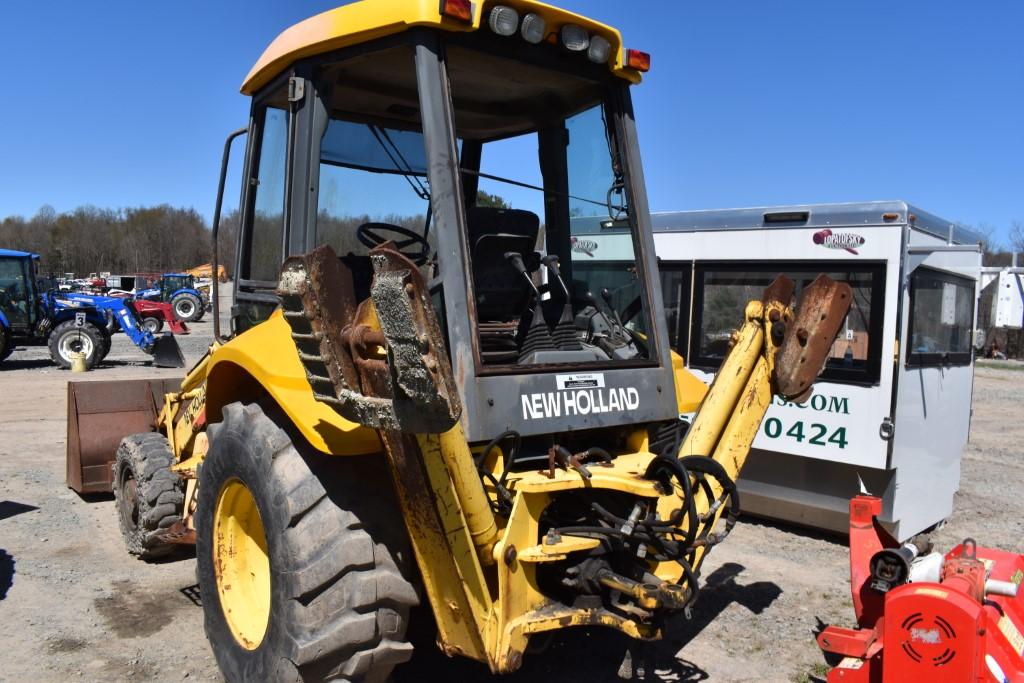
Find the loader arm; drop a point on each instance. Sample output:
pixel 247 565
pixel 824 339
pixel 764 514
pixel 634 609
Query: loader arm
pixel 486 555
pixel 164 349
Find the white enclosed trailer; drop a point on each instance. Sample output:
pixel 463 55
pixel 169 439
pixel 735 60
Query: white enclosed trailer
pixel 892 408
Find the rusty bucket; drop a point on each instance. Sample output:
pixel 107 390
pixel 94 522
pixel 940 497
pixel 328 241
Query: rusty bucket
pixel 100 414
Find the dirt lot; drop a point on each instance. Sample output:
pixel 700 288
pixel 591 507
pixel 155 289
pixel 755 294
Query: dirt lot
pixel 75 605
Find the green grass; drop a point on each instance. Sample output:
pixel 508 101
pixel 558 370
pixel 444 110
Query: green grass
pixel 817 671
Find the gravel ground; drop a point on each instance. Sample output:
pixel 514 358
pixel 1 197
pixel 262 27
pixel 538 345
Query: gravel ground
pixel 75 605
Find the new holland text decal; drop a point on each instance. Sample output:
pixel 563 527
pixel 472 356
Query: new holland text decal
pixel 839 240
pixel 579 394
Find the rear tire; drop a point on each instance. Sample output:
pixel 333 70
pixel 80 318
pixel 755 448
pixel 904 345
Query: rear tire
pixel 152 324
pixel 334 603
pixel 147 494
pixel 66 338
pixel 188 308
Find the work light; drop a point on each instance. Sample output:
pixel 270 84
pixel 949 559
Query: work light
pixel 599 50
pixel 533 28
pixel 575 38
pixel 503 20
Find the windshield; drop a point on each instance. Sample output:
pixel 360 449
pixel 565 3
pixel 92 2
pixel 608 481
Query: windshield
pixel 14 294
pixel 544 181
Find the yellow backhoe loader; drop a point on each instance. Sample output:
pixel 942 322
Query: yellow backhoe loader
pixel 448 377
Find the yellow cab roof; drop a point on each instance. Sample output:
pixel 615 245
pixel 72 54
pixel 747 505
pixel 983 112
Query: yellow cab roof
pixel 368 20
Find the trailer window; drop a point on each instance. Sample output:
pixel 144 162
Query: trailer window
pixel 723 290
pixel 941 319
pixel 675 292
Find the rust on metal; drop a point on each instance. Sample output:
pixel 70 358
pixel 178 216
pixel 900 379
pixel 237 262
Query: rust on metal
pixel 426 398
pixel 338 341
pixel 382 363
pixel 178 533
pixel 99 414
pixel 808 341
pixel 781 290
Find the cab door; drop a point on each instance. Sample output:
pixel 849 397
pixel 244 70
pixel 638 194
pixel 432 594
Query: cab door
pixel 935 375
pixel 16 293
pixel 263 231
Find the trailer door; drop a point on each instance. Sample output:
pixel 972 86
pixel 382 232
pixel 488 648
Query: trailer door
pixel 935 375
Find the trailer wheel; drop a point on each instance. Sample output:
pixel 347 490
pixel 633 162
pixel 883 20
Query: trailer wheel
pixel 147 494
pixel 187 307
pixel 66 339
pixel 152 324
pixel 301 558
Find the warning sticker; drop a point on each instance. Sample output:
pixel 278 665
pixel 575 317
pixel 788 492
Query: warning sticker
pixel 851 663
pixel 1017 577
pixel 1012 634
pixel 589 380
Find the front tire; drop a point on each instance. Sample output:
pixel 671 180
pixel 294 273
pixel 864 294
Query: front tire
pixel 67 338
pixel 310 552
pixel 187 307
pixel 147 494
pixel 152 324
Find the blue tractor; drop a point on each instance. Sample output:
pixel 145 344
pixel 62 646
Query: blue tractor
pixel 33 315
pixel 179 290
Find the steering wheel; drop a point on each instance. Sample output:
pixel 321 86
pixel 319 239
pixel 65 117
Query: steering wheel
pixel 374 234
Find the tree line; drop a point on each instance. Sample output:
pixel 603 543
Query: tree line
pixel 157 239
pixel 123 241
pixel 165 239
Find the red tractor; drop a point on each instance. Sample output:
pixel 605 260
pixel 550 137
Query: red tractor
pixel 153 314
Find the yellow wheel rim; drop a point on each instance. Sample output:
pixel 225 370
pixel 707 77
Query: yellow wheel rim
pixel 241 564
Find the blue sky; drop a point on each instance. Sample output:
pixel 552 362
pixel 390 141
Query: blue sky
pixel 125 103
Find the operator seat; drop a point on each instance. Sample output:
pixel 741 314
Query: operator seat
pixel 502 294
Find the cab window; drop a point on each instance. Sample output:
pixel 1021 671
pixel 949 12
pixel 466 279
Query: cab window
pixel 556 273
pixel 372 184
pixel 14 294
pixel 266 240
pixel 721 293
pixel 941 319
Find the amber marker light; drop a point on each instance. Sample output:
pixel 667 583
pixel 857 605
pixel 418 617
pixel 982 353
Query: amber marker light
pixel 461 10
pixel 635 59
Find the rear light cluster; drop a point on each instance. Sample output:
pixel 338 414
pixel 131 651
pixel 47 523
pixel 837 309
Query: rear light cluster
pixel 505 21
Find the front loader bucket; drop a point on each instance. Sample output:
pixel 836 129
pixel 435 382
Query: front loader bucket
pixel 167 353
pixel 100 414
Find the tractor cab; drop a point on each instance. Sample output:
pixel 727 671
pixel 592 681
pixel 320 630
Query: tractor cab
pixel 478 141
pixel 18 290
pixel 172 283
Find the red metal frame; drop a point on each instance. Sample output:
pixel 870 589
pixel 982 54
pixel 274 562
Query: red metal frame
pixel 162 310
pixel 950 631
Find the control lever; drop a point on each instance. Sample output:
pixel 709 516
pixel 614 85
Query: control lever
pixel 515 259
pixel 606 294
pixel 550 261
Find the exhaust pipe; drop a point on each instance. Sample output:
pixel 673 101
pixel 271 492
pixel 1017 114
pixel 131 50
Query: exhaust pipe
pixel 167 353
